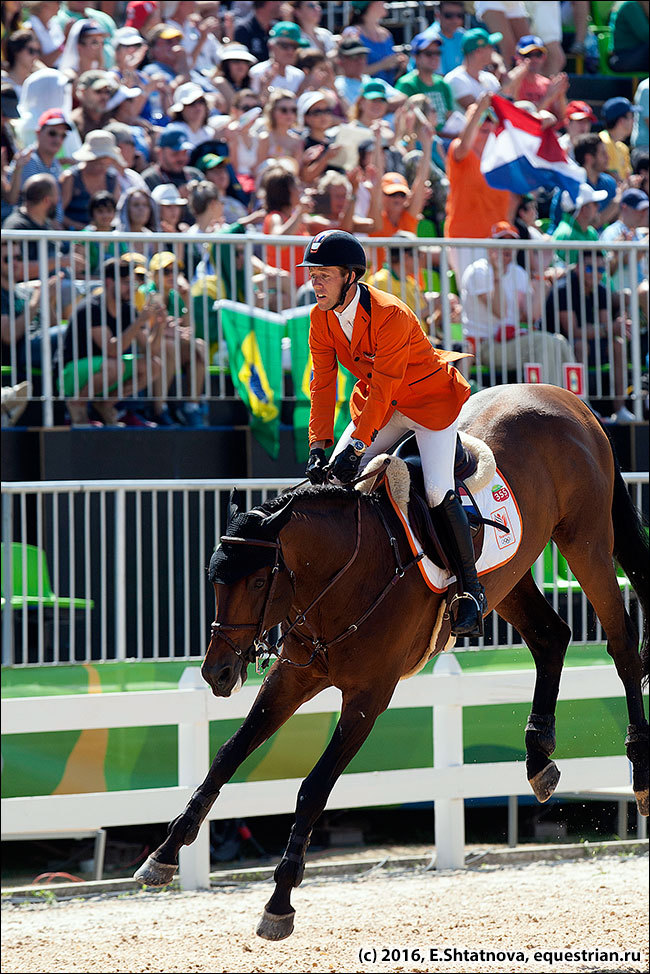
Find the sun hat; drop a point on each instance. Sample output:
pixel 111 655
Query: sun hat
pixel 615 108
pixel 96 78
pixel 53 116
pixel 286 28
pixel 210 161
pixel 394 182
pixel 374 88
pixel 476 38
pixel 127 37
pixel 586 195
pixel 636 199
pixel 135 261
pixel 166 32
pixel 99 145
pixel 580 109
pixel 423 41
pixel 530 42
pixel 307 101
pixel 186 94
pixel 236 52
pixel 167 194
pixel 174 137
pixel 350 46
pixel 138 12
pixel 121 95
pixel 161 260
pixel 503 230
pixel 90 27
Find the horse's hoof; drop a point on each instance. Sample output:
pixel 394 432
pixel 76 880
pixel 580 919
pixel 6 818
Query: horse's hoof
pixel 273 927
pixel 154 873
pixel 642 802
pixel 545 782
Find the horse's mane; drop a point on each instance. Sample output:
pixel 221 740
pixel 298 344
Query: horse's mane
pixel 311 493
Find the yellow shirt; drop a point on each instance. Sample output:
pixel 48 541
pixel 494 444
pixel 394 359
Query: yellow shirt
pixel 618 156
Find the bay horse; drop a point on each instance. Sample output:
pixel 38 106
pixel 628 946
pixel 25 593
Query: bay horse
pixel 333 567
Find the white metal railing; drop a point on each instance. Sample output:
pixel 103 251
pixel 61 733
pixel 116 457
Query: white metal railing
pixel 192 707
pixel 219 266
pixel 133 555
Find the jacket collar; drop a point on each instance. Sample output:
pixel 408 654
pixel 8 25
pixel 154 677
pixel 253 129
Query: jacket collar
pixel 362 317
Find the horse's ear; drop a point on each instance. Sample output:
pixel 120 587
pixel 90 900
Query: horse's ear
pixel 233 507
pixel 273 523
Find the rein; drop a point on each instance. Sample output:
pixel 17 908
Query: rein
pixel 262 650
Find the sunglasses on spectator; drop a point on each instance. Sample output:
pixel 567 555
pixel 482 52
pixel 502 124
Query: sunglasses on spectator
pixel 287 45
pixel 319 111
pixel 433 53
pixel 599 269
pixel 533 55
pixel 248 108
pixel 458 16
pixel 53 134
pixel 34 50
pixel 287 109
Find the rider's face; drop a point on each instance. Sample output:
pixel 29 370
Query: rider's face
pixel 327 282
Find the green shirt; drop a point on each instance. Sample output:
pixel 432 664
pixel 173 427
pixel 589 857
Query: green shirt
pixel 629 26
pixel 439 93
pixel 569 229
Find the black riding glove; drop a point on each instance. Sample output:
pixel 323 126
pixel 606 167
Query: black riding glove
pixel 316 464
pixel 345 465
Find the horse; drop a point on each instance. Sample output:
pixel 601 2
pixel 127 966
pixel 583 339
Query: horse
pixel 332 566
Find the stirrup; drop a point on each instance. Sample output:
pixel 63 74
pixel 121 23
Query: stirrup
pixel 477 627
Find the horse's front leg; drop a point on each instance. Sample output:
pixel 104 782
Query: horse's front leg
pixel 284 690
pixel 358 715
pixel 547 637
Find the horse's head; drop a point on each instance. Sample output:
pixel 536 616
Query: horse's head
pixel 253 590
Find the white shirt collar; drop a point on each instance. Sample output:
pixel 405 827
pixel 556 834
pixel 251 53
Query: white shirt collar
pixel 347 315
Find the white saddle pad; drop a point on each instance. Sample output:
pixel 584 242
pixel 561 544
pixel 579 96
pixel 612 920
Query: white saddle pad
pixel 496 502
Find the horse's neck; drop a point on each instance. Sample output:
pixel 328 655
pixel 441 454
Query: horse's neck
pixel 321 537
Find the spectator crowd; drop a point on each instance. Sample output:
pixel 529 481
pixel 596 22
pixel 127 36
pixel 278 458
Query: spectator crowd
pixel 203 117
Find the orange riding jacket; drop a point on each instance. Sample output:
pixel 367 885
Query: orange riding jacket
pixel 395 364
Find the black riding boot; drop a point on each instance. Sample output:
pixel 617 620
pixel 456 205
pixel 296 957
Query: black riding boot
pixel 469 602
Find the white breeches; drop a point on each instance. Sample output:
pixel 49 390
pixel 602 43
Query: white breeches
pixel 437 449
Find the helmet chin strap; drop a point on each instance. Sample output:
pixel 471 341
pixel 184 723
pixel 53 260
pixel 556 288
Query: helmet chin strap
pixel 344 290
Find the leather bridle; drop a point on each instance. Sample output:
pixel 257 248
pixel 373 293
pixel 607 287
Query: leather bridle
pixel 261 650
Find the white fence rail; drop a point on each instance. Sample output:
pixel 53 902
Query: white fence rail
pixel 131 555
pixel 604 293
pixel 192 707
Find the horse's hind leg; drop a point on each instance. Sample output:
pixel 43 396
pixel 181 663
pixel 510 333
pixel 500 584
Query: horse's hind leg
pixel 547 637
pixel 283 691
pixel 357 719
pixel 591 563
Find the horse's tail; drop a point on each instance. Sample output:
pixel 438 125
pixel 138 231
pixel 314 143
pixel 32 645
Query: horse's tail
pixel 631 552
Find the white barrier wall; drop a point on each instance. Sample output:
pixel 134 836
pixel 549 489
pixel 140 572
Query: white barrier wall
pixel 192 707
pixel 134 555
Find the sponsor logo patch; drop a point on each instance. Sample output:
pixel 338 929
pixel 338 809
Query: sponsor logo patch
pixel 500 493
pixel 504 540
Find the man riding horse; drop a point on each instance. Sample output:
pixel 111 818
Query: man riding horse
pixel 404 384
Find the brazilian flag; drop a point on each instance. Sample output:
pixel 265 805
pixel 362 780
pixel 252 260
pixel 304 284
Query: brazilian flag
pixel 301 372
pixel 254 340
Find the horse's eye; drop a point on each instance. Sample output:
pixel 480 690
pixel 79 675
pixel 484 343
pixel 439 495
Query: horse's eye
pixel 259 583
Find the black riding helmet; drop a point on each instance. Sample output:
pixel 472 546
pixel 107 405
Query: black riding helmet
pixel 336 248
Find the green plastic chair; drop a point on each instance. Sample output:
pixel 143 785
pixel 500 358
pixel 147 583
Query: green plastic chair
pixel 600 12
pixel 35 563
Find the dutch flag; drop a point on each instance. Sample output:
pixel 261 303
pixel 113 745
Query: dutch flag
pixel 521 156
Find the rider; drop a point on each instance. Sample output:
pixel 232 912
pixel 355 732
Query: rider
pixel 404 384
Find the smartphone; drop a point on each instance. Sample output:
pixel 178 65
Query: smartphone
pixel 251 114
